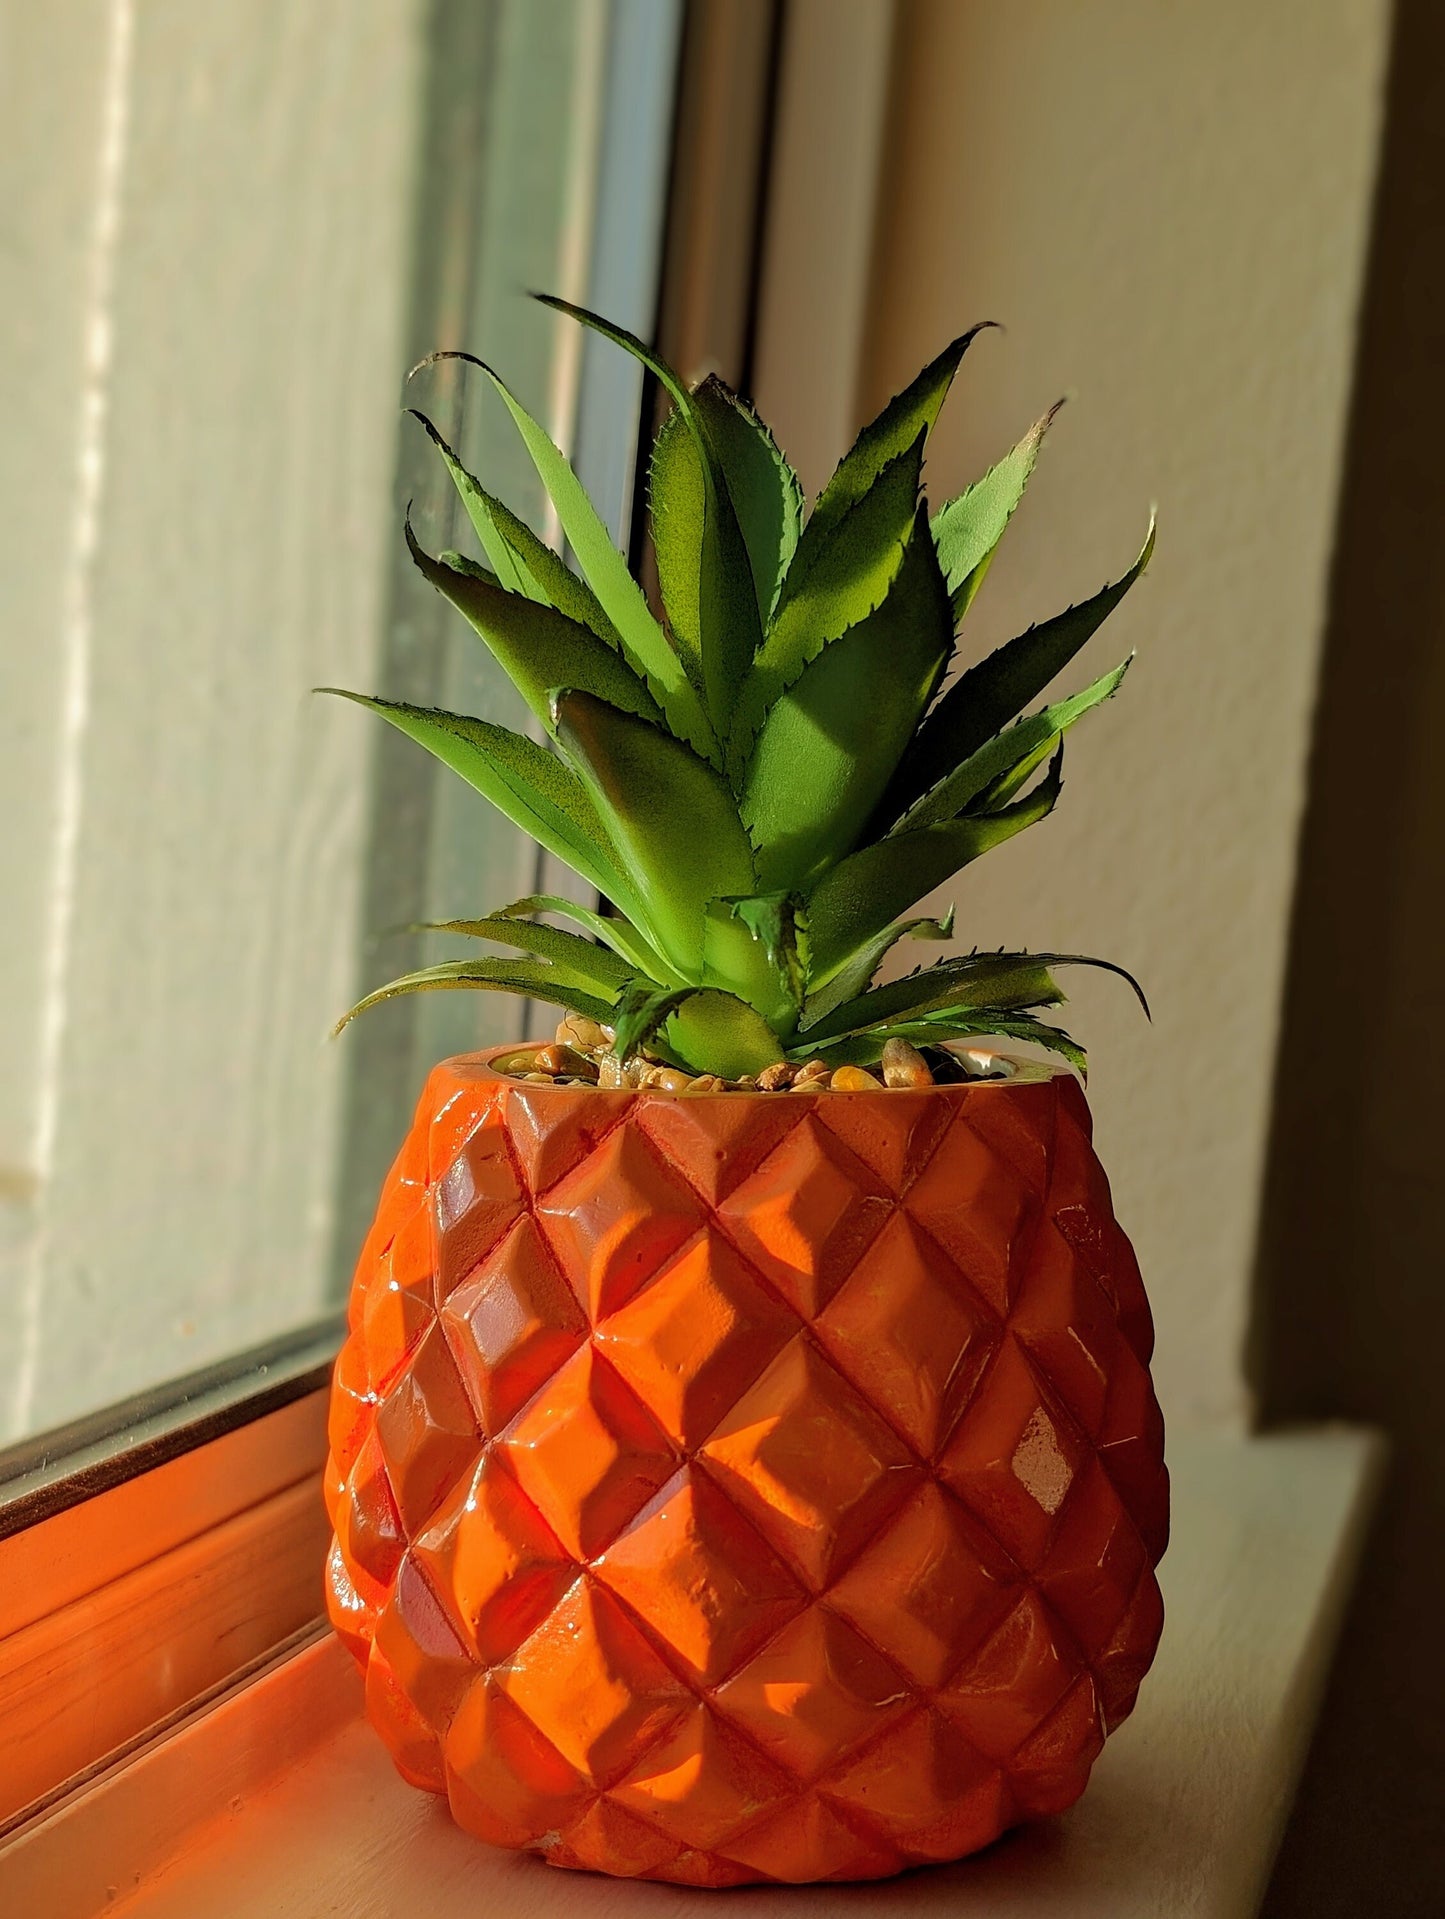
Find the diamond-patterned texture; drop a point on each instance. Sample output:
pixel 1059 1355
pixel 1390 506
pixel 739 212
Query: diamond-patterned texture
pixel 733 1488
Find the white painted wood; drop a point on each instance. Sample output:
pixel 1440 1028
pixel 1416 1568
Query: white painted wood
pixel 60 1559
pixel 246 458
pixel 54 68
pixel 53 63
pixel 1181 1817
pixel 161 1635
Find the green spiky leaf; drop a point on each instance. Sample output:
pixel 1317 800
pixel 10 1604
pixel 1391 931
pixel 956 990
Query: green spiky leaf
pixel 907 418
pixel 504 563
pixel 523 780
pixel 716 1032
pixel 859 897
pixel 766 502
pixel 982 701
pixel 522 563
pixel 866 1049
pixel 830 743
pixel 529 978
pixel 641 1011
pixel 537 647
pixel 595 968
pixel 1000 981
pixel 700 1029
pixel 1014 980
pixel 464 563
pixel 672 819
pixel 612 929
pixel 677 515
pixel 1022 1026
pixel 642 640
pixel 740 957
pixel 833 583
pixel 852 975
pixel 763 487
pixel 778 924
pixel 969 528
pixel 996 770
pixel 712 610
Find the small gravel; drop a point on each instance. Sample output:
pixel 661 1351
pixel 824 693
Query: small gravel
pixel 579 1055
pixel 904 1065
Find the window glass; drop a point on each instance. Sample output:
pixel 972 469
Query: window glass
pixel 239 227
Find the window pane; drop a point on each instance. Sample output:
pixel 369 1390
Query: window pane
pixel 254 219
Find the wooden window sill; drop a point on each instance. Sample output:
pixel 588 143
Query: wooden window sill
pixel 279 1801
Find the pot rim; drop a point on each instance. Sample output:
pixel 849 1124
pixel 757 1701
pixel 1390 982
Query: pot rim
pixel 1022 1072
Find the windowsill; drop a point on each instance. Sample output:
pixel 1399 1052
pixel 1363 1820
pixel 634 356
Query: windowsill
pixel 280 1801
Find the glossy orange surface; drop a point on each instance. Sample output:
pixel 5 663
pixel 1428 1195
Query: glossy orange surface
pixel 747 1487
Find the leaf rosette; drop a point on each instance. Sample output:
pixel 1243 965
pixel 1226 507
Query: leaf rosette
pixel 762 776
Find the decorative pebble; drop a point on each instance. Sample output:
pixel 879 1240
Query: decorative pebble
pixel 667 1079
pixel 853 1079
pixel 706 1083
pixel 588 1034
pixel 777 1077
pixel 904 1065
pixel 562 1059
pixel 616 1074
pixel 516 1064
pixel 812 1077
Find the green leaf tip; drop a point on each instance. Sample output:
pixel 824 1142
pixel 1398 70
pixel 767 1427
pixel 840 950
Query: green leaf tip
pixel 643 642
pixel 982 701
pixel 527 978
pixel 970 528
pixel 715 615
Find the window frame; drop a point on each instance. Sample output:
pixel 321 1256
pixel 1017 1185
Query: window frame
pixel 56 1470
pixel 136 1579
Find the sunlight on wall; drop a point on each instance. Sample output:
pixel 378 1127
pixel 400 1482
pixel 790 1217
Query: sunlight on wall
pixel 1168 209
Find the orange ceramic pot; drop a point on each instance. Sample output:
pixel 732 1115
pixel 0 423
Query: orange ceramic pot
pixel 739 1487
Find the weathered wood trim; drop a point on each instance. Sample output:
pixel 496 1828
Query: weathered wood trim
pixel 119 1612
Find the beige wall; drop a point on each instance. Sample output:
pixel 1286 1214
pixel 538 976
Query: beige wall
pixel 1167 205
pixel 1350 1300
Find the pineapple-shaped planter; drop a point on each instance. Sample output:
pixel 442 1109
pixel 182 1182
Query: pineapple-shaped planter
pixel 744 1460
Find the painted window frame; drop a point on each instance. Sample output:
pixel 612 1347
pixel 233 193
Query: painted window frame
pixel 154 1553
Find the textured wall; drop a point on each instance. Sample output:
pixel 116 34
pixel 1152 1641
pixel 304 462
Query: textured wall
pixel 1350 1305
pixel 1168 207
